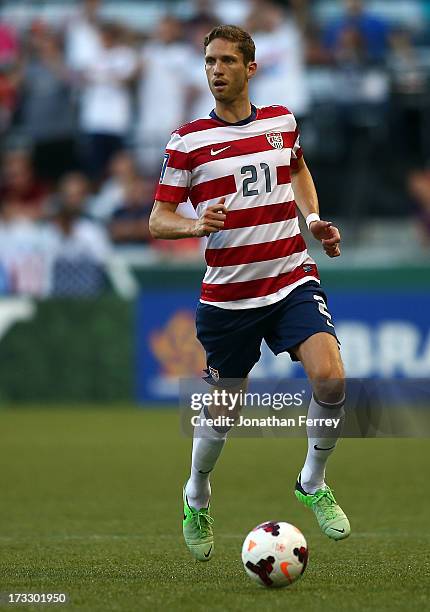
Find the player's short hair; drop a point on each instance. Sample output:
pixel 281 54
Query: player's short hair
pixel 234 34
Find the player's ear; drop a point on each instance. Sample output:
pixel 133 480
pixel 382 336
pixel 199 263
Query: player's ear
pixel 252 69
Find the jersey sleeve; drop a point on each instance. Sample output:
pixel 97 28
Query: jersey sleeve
pixel 175 177
pixel 296 151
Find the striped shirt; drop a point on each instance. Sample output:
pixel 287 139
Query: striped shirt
pixel 259 256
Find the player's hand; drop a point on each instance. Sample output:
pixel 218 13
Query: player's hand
pixel 212 220
pixel 328 235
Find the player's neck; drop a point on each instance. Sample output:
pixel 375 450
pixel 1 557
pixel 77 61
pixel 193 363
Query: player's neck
pixel 232 112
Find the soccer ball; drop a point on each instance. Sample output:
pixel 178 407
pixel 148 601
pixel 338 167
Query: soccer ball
pixel 275 554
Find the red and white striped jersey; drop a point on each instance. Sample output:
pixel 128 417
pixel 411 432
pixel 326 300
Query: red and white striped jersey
pixel 259 256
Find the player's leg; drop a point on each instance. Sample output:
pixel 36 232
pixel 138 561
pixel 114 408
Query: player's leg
pixel 208 442
pixel 303 326
pixel 321 360
pixel 232 344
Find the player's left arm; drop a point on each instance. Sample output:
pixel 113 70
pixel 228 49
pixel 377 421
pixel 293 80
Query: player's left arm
pixel 307 201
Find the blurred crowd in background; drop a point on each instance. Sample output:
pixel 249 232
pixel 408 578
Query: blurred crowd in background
pixel 88 100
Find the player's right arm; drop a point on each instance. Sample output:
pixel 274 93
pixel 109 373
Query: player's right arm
pixel 166 224
pixel 173 188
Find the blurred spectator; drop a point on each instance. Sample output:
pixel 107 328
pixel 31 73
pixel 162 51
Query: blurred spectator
pixel 80 247
pixel 357 82
pixel 203 12
pixel 8 44
pixel 370 29
pixel 129 222
pixel 82 36
pixel 24 244
pixel 122 172
pixel 79 237
pixel 162 92
pixel 73 194
pixel 106 99
pixel 9 49
pixel 409 73
pixel 25 256
pixel 280 77
pixel 8 96
pixel 300 10
pixel 46 111
pixel 407 68
pixel 22 194
pixel 419 189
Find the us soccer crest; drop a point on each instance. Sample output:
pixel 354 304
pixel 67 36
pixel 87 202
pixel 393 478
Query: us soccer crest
pixel 275 139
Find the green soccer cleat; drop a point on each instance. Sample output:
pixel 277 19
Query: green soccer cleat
pixel 330 516
pixel 197 530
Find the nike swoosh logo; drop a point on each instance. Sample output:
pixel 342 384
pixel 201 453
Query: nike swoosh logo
pixel 200 472
pixel 208 553
pixel 339 530
pixel 326 449
pixel 219 150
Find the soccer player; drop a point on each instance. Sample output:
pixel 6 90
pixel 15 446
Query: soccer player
pixel 243 170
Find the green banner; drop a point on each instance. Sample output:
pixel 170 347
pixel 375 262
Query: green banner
pixel 60 351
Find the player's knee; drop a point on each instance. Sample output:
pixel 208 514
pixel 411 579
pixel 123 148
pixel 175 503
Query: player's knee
pixel 328 381
pixel 327 370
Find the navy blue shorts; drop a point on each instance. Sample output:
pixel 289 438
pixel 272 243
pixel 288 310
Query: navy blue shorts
pixel 232 338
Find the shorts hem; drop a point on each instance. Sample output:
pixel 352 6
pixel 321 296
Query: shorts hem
pixel 289 349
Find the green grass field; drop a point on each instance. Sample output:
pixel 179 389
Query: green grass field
pixel 90 505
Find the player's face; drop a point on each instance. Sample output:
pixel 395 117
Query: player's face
pixel 225 70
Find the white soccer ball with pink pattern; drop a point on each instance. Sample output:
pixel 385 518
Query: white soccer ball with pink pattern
pixel 275 554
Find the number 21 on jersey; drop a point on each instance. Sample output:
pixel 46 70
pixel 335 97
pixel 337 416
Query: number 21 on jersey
pixel 251 177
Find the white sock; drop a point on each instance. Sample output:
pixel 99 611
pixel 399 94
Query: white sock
pixel 207 446
pixel 320 449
